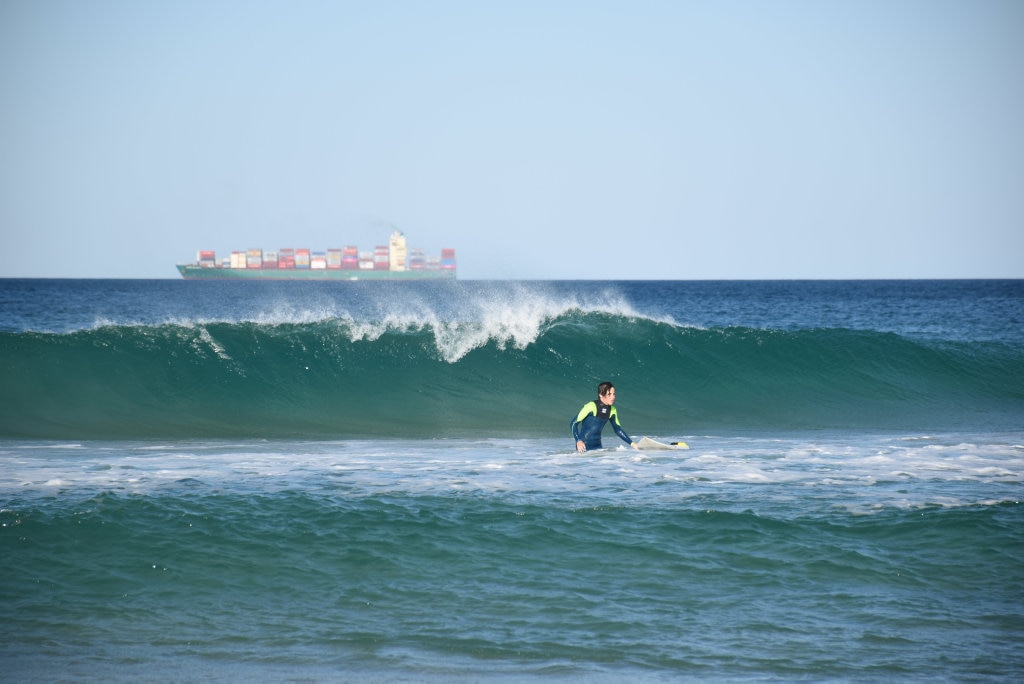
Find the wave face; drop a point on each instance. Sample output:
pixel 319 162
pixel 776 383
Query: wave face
pixel 520 364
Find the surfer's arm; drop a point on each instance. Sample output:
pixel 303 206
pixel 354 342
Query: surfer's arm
pixel 580 445
pixel 619 431
pixel 587 410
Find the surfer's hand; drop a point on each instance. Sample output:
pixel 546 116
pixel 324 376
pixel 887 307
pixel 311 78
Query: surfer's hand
pixel 580 447
pixel 633 444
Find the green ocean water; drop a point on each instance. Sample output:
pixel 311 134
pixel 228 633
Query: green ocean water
pixel 336 378
pixel 319 483
pixel 449 573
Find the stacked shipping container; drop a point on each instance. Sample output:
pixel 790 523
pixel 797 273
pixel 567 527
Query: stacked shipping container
pixel 393 257
pixel 350 260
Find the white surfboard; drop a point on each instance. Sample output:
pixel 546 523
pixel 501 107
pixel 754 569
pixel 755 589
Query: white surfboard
pixel 648 444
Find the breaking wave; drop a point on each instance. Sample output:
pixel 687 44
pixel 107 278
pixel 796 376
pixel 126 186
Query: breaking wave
pixel 518 369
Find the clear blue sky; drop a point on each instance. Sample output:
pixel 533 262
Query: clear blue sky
pixel 634 139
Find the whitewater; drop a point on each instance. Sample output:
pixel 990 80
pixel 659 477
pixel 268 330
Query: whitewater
pixel 376 481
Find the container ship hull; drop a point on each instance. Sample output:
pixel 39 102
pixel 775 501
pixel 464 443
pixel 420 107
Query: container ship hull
pixel 196 272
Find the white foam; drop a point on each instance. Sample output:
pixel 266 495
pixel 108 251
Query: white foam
pixel 207 339
pixel 469 317
pixel 845 473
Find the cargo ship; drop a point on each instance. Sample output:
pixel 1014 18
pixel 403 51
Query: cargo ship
pixel 393 261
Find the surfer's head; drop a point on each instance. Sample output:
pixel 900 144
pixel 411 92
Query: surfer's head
pixel 606 392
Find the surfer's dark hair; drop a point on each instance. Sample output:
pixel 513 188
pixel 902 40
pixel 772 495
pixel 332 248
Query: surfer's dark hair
pixel 604 388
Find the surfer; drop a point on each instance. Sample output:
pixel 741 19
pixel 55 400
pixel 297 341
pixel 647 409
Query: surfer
pixel 592 418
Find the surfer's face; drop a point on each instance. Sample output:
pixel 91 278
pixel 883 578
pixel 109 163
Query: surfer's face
pixel 609 398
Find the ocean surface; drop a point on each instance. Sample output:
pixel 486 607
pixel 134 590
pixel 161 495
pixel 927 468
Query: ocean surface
pixel 372 481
